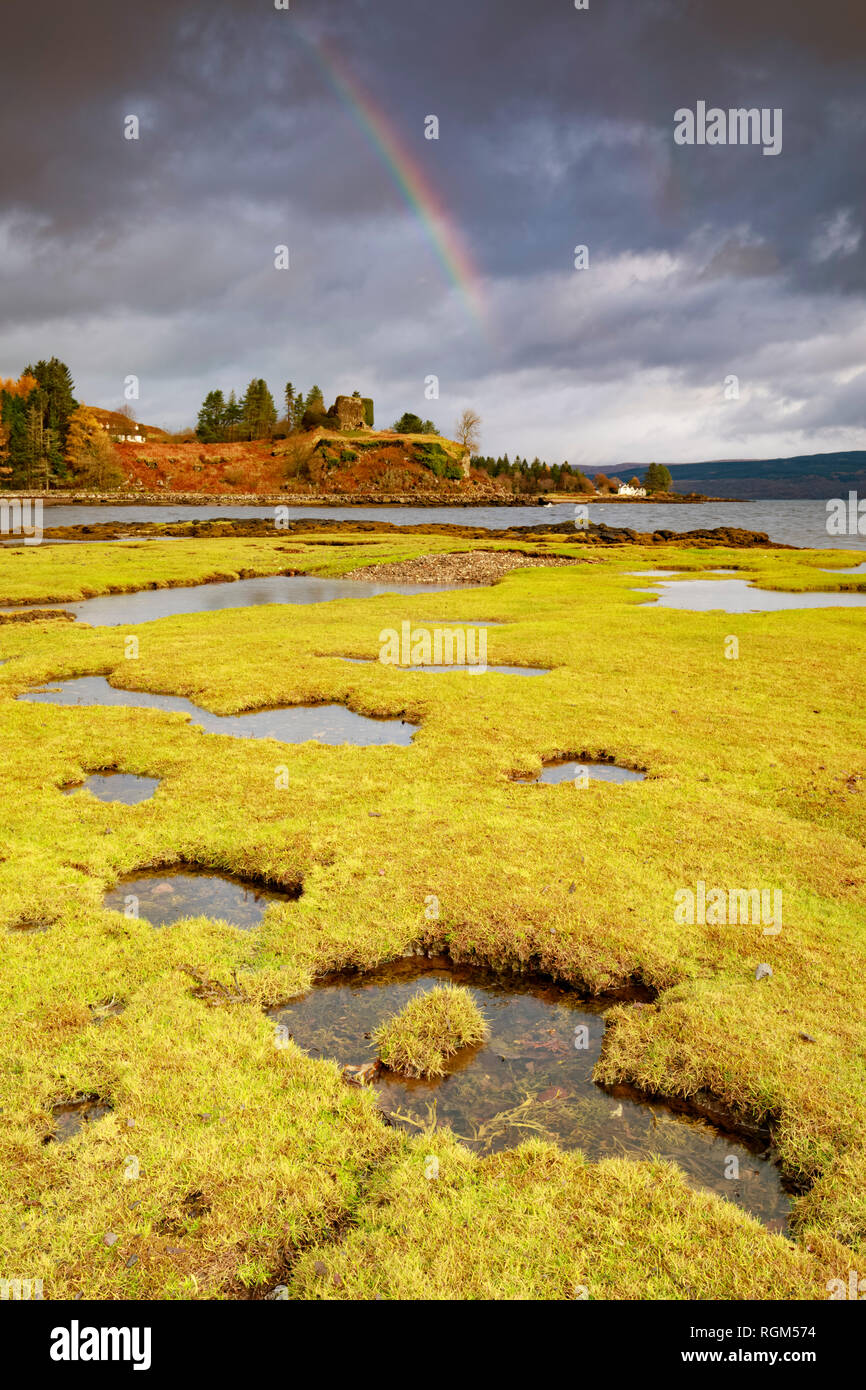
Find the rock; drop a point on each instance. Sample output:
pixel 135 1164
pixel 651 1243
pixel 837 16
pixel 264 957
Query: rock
pixel 110 1239
pixel 362 1075
pixel 553 1093
pixel 807 1037
pixel 763 971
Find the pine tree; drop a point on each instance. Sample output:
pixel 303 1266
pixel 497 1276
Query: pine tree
pixel 55 381
pixel 267 410
pixel 259 411
pixel 211 419
pixel 315 415
pixel 232 416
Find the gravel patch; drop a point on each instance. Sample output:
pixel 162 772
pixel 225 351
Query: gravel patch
pixel 463 567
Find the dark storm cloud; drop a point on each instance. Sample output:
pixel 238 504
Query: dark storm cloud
pixel 556 129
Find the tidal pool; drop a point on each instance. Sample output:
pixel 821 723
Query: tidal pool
pixel 332 724
pixel 532 1077
pixel 125 787
pixel 163 898
pixel 736 596
pixel 145 605
pixel 858 569
pixel 572 770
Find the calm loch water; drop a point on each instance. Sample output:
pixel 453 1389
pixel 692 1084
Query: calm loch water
pixel 801 523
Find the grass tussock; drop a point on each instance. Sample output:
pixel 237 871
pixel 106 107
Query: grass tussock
pixel 419 1040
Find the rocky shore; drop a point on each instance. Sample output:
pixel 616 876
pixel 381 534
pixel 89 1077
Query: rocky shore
pixel 477 497
pixel 264 527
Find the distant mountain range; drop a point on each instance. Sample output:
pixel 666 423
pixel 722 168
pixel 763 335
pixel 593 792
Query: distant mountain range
pixel 817 476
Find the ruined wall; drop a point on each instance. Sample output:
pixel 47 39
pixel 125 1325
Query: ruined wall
pixel 347 413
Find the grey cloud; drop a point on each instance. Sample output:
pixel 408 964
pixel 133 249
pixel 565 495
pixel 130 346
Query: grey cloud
pixel 556 128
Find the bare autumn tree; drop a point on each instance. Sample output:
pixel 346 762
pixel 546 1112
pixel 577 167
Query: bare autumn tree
pixel 469 430
pixel 90 452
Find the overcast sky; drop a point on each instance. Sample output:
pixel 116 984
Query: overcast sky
pixel 155 257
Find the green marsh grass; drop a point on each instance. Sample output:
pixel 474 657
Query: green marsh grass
pixel 255 1163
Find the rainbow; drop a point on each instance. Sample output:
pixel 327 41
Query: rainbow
pixel 410 178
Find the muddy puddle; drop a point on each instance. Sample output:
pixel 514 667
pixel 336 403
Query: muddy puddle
pixel 532 1077
pixel 70 1117
pixel 124 787
pixel 143 606
pixel 578 772
pixel 737 596
pixel 333 724
pixel 163 898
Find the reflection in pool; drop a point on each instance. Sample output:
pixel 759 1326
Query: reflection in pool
pixel 532 1077
pixel 163 898
pixel 570 770
pixel 124 787
pixel 143 606
pixel 291 724
pixel 736 596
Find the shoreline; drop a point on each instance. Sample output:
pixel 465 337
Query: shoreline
pixel 77 498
